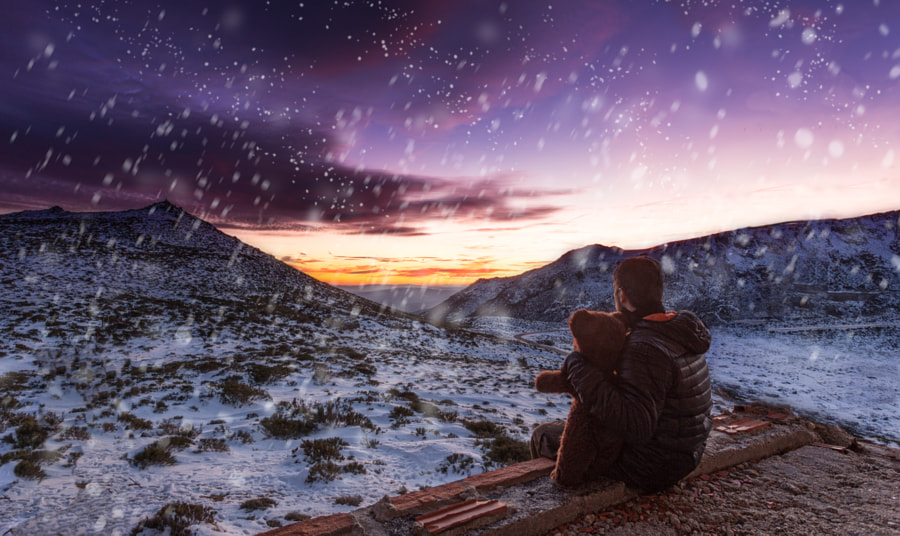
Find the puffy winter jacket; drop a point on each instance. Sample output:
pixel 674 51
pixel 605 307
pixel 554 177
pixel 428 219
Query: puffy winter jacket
pixel 659 401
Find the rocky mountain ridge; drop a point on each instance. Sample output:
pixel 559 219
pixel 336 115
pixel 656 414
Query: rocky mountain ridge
pixel 159 252
pixel 833 268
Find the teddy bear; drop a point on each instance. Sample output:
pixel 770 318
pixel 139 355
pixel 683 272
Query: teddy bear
pixel 583 449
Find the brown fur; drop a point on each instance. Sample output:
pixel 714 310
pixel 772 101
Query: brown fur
pixel 599 337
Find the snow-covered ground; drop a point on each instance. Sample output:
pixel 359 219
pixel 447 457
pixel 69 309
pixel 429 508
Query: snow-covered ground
pixel 849 377
pixel 405 402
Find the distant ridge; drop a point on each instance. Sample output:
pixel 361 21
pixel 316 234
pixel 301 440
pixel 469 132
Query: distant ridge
pixel 56 210
pixel 154 251
pixel 831 268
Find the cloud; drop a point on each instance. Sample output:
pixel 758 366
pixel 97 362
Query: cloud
pixel 255 115
pixel 384 229
pixel 361 202
pixel 102 121
pixel 250 176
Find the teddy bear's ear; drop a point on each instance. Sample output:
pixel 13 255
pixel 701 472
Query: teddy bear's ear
pixel 577 318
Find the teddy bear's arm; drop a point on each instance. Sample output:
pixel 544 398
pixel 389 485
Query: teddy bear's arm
pixel 553 381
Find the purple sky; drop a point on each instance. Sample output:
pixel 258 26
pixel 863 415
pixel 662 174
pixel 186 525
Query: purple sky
pixel 312 121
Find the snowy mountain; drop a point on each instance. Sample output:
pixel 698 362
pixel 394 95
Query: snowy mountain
pixel 151 255
pixel 846 269
pixel 149 359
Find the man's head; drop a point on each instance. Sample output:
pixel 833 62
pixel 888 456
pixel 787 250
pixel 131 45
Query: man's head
pixel 641 279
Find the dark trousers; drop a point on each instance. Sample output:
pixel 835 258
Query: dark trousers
pixel 545 439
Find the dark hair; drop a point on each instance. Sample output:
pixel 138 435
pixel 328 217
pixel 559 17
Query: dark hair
pixel 641 278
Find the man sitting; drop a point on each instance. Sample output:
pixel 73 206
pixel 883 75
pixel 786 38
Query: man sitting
pixel 659 401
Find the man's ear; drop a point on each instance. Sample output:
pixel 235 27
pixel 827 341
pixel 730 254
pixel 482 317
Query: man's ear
pixel 623 299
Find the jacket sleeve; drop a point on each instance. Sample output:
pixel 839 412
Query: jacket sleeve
pixel 629 404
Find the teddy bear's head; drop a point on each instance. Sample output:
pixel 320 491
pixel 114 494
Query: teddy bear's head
pixel 598 336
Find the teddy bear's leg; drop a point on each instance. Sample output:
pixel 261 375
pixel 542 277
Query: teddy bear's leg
pixel 607 449
pixel 576 448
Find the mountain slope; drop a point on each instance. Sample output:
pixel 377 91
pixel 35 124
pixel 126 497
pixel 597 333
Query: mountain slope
pixel 148 358
pixel 146 250
pixel 838 268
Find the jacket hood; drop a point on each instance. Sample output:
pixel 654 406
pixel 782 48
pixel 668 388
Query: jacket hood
pixel 684 327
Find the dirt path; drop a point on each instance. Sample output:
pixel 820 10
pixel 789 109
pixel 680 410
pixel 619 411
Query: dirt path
pixel 521 337
pixel 814 491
